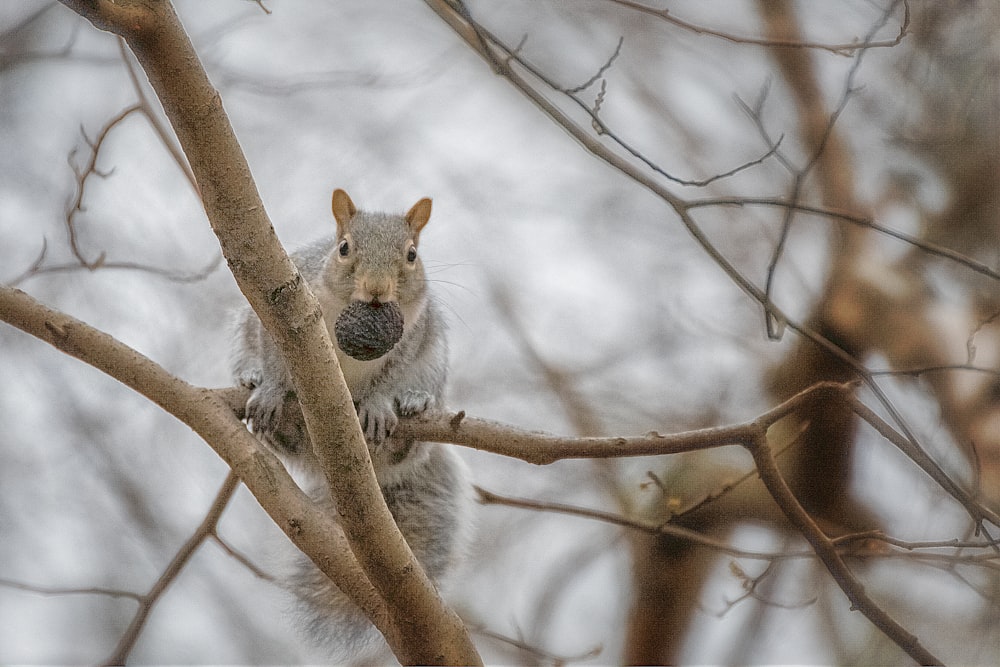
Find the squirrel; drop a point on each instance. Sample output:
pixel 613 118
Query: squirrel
pixel 366 278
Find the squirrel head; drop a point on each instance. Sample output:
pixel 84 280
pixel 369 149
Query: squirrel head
pixel 375 255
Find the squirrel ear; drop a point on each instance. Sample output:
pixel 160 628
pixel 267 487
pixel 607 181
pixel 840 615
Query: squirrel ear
pixel 418 216
pixel 343 210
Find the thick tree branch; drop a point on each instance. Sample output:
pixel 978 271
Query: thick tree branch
pixel 422 628
pixel 542 448
pixel 311 529
pixel 210 413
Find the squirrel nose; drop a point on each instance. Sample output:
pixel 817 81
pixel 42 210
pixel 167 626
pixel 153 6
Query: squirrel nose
pixel 376 290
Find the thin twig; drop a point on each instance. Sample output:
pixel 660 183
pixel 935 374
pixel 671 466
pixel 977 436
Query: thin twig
pixel 854 219
pixel 844 544
pixel 167 138
pixel 598 74
pixel 476 36
pixel 204 531
pixel 82 176
pixel 845 48
pixel 240 558
pixel 61 590
pixel 729 487
pixel 502 64
pixel 38 268
pixel 554 659
pixel 826 136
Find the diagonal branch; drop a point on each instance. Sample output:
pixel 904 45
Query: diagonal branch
pixel 211 414
pixel 421 628
pixel 827 552
pixel 180 559
pixel 853 219
pixel 857 545
pixel 310 528
pixel 502 57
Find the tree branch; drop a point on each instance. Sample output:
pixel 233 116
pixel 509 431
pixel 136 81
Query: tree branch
pixel 210 414
pixel 827 552
pixel 845 544
pixel 312 530
pixel 844 48
pixel 421 628
pixel 503 59
pixel 180 559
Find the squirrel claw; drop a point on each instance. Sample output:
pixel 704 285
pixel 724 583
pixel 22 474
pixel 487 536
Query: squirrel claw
pixel 412 402
pixel 378 420
pixel 251 379
pixel 263 411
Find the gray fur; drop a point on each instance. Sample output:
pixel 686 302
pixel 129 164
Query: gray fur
pixel 425 485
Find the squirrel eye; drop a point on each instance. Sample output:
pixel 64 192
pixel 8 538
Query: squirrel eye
pixel 344 248
pixel 411 254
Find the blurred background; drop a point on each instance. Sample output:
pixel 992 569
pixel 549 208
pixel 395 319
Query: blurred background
pixel 577 303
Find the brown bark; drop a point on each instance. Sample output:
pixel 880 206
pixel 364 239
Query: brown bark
pixel 421 628
pixel 211 417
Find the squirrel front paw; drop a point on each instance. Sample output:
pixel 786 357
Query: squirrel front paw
pixel 412 402
pixel 379 415
pixel 250 378
pixel 274 415
pixel 264 408
pixel 378 418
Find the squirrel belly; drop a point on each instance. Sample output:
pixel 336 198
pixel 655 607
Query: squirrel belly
pixel 370 266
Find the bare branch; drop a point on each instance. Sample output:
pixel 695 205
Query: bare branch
pixel 207 412
pixel 59 590
pixel 827 552
pixel 845 48
pixel 82 175
pixel 597 75
pixel 167 138
pixel 502 57
pixel 855 545
pixel 750 587
pixel 180 559
pixel 818 132
pixel 536 652
pixel 240 558
pixel 854 219
pixel 667 529
pixel 37 268
pixel 728 487
pixel 310 528
pixel 495 53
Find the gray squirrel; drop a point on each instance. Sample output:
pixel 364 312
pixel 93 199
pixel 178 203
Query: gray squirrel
pixel 369 267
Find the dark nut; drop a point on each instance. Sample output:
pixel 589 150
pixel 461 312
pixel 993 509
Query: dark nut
pixel 367 331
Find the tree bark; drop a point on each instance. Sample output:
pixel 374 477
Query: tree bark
pixel 421 629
